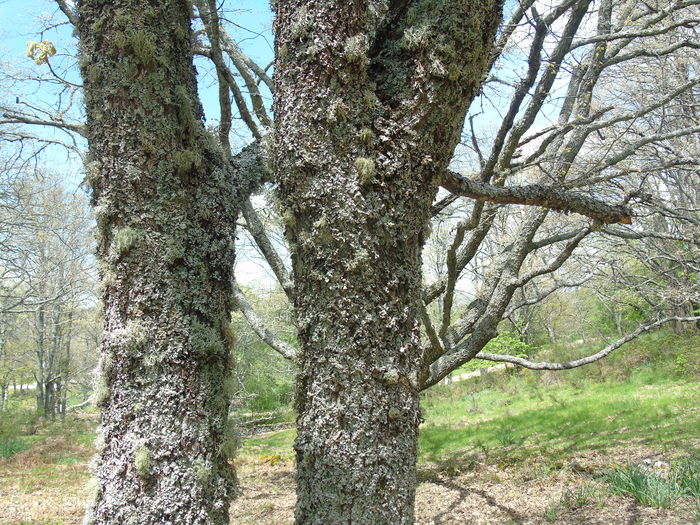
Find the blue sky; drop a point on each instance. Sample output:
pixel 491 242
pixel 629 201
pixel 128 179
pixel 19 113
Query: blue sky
pixel 250 27
pixel 21 22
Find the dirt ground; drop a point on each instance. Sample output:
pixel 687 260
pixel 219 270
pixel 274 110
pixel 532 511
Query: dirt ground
pixel 484 495
pixel 474 493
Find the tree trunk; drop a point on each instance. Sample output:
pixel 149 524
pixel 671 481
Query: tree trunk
pixel 166 206
pixel 363 132
pixel 4 390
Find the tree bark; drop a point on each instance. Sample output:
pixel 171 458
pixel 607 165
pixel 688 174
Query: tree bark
pixel 166 205
pixel 369 106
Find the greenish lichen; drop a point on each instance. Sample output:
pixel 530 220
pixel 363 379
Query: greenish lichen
pixel 134 338
pixel 94 73
pixel 186 160
pixel 180 33
pixel 359 260
pixel 140 43
pixel 174 250
pixel 99 442
pixel 93 490
pixel 143 46
pixel 101 391
pixel 391 376
pixel 142 461
pixel 207 340
pixel 228 333
pixel 93 173
pixel 302 23
pixel 337 111
pixel 417 38
pixel 202 472
pixel 366 136
pixel 283 52
pixel 288 219
pixel 365 169
pixel 231 440
pixel 107 364
pixel 185 112
pixel 355 50
pixel 108 278
pixel 394 414
pixel 125 239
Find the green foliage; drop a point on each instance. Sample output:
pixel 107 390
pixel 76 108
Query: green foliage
pixel 264 379
pixel 647 487
pixel 509 344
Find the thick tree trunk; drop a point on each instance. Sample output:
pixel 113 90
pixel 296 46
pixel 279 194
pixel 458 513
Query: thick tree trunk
pixel 363 125
pixel 166 207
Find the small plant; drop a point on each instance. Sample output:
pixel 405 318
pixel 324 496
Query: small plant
pixel 11 446
pixel 687 475
pixel 580 497
pixel 506 436
pixel 646 487
pixel 552 512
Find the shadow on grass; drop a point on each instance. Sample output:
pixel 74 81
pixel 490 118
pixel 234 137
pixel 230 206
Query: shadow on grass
pixel 601 417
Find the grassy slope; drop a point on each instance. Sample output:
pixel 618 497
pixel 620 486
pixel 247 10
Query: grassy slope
pixel 644 396
pixel 639 396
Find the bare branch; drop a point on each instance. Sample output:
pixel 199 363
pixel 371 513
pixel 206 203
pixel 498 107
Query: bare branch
pixel 585 360
pixel 13 117
pixel 284 349
pixel 538 195
pixel 68 11
pixel 257 231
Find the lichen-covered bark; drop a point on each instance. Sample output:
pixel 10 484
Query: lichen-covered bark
pixel 370 100
pixel 165 205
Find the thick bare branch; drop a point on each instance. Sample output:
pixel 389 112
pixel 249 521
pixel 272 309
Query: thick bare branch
pixel 284 349
pixel 68 11
pixel 257 231
pixel 538 195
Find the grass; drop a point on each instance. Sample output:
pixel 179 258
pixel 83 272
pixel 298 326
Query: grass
pixel 564 422
pixel 275 444
pixel 644 409
pixel 656 489
pixel 537 421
